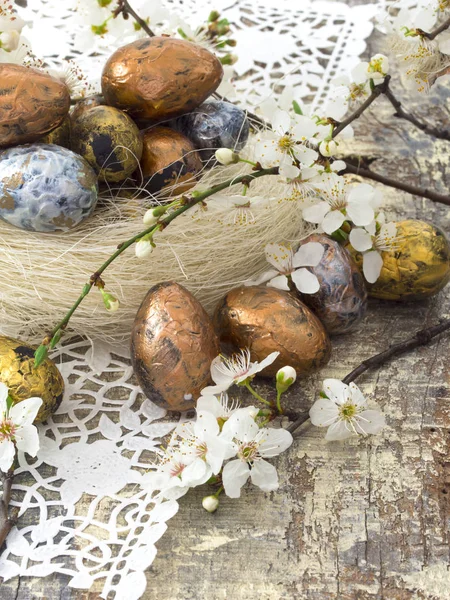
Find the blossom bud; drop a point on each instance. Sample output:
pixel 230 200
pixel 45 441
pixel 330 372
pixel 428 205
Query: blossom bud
pixel 226 156
pixel 111 303
pixel 210 503
pixel 9 40
pixel 229 59
pixel 143 248
pixel 328 148
pixel 285 378
pixel 150 218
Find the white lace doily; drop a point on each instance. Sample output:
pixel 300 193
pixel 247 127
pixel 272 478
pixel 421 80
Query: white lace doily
pixel 92 518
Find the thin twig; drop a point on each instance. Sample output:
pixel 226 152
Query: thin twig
pixel 376 92
pixel 401 113
pixel 420 338
pixel 398 185
pixel 6 522
pixel 442 27
pixel 125 8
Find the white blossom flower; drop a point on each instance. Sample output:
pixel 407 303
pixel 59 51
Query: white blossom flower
pixel 328 148
pixel 225 156
pixel 376 69
pixel 372 244
pixel 344 412
pixel 227 371
pixel 292 265
pixel 342 203
pixel 143 248
pixel 16 428
pixel 251 445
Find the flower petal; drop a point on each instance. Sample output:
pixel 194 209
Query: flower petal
pixel 279 256
pixel 338 431
pixel 219 373
pixel 211 404
pixel 332 221
pixel 316 213
pixel 308 255
pixel 357 397
pixel 206 423
pixel 7 453
pixel 280 283
pixel 336 390
pixel 281 122
pixel 266 276
pixel 305 281
pixel 258 367
pixel 289 171
pixel 24 412
pixel 3 398
pixel 372 265
pixel 369 422
pixel 323 412
pixel 360 239
pixel 264 475
pixel 275 442
pixel 361 213
pixel 240 426
pixel 27 439
pixel 235 473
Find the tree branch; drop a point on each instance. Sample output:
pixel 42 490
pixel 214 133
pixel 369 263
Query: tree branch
pixel 442 27
pixel 125 9
pixel 6 522
pixel 398 185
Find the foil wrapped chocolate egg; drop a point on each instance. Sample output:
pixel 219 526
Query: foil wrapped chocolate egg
pixel 45 188
pixel 31 104
pixel 86 103
pixel 172 346
pixel 109 140
pixel 24 380
pixel 341 302
pixel 215 124
pixel 418 267
pixel 160 78
pixel 60 135
pixel 266 320
pixel 169 162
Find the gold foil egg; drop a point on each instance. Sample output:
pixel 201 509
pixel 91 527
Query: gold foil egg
pixel 267 320
pixel 160 78
pixel 18 372
pixel 110 142
pixel 31 104
pixel 169 162
pixel 417 268
pixel 172 346
pixel 60 135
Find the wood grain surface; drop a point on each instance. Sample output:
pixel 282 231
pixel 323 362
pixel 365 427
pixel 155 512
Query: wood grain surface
pixel 361 520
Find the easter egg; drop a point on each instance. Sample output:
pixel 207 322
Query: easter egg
pixel 172 346
pixel 215 124
pixel 418 267
pixel 24 380
pixel 169 162
pixel 265 320
pixel 60 135
pixel 85 104
pixel 341 301
pixel 45 188
pixel 160 78
pixel 31 104
pixel 109 140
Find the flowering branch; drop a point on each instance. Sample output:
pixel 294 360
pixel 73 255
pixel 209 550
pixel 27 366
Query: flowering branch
pixel 7 522
pixel 420 338
pixel 95 281
pixel 125 9
pixel 433 34
pixel 399 185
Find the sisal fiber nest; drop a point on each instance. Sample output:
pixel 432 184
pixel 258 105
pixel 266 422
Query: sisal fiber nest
pixel 207 250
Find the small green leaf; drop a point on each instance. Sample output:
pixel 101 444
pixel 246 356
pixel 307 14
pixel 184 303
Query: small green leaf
pixel 297 109
pixel 55 339
pixel 100 29
pixel 9 402
pixel 213 16
pixel 40 355
pixel 104 3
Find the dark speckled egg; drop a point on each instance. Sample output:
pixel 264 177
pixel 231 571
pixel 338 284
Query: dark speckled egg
pixel 169 162
pixel 60 135
pixel 341 302
pixel 85 104
pixel 45 188
pixel 215 124
pixel 109 140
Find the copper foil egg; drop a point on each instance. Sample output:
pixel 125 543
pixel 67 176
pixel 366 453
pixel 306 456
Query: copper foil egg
pixel 31 104
pixel 18 372
pixel 172 346
pixel 419 266
pixel 86 103
pixel 341 302
pixel 60 135
pixel 160 78
pixel 169 161
pixel 109 140
pixel 267 320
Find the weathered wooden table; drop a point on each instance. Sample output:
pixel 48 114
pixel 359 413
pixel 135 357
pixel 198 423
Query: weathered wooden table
pixel 366 519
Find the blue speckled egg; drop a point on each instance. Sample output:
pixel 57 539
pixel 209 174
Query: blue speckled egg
pixel 45 188
pixel 215 124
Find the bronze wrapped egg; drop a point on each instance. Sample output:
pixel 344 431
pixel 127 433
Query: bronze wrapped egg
pixel 172 346
pixel 60 135
pixel 31 104
pixel 109 140
pixel 160 78
pixel 169 162
pixel 341 301
pixel 266 320
pixel 418 267
pixel 24 381
pixel 85 104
